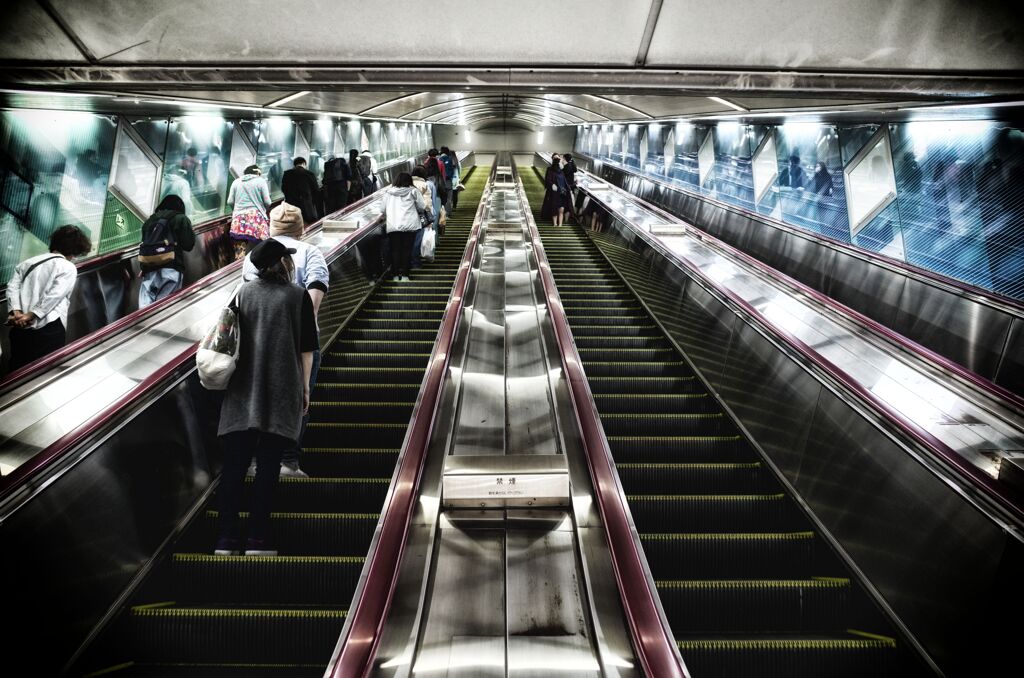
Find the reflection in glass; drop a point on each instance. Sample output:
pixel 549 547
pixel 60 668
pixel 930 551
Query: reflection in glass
pixel 705 159
pixel 765 169
pixel 196 164
pixel 685 166
pixel 960 187
pixel 810 188
pixel 243 153
pixel 273 154
pixel 136 174
pixel 65 157
pixel 870 183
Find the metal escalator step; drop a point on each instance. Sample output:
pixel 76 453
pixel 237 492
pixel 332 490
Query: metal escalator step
pixel 264 580
pixel 361 411
pixel 666 424
pixel 613 342
pixel 843 657
pixel 355 391
pixel 639 330
pixel 714 606
pixel 666 478
pixel 298 534
pixel 714 513
pixel 354 434
pixel 655 403
pixel 206 634
pixel 433 315
pixel 623 368
pixel 378 359
pixel 642 384
pixel 327 495
pixel 745 555
pixel 381 335
pixel 356 461
pixel 632 354
pixel 680 449
pixel 395 324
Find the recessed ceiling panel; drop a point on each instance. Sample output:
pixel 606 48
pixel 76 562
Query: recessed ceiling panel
pixel 27 32
pixel 940 35
pixel 759 103
pixel 269 31
pixel 343 102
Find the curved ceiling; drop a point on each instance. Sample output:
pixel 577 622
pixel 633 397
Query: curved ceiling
pixel 535 63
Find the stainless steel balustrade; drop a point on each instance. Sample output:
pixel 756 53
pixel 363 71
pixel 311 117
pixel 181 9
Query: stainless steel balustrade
pixel 933 546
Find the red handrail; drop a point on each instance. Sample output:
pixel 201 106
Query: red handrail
pixel 355 656
pixel 653 642
pixel 990 487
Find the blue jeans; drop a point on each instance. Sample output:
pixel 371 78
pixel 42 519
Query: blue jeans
pixel 159 283
pixel 291 452
pixel 416 261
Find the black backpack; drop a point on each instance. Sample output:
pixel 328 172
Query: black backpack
pixel 158 245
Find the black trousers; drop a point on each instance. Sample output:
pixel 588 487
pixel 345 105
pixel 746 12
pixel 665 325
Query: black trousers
pixel 30 345
pixel 239 449
pixel 401 251
pixel 335 196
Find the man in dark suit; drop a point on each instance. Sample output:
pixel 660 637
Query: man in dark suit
pixel 300 189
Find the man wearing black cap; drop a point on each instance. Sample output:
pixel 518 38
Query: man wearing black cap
pixel 268 393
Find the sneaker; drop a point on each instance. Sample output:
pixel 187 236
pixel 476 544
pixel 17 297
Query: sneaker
pixel 259 547
pixel 251 471
pixel 291 469
pixel 227 546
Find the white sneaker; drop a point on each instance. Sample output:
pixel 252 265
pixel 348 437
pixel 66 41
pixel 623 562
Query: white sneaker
pixel 290 470
pixel 251 471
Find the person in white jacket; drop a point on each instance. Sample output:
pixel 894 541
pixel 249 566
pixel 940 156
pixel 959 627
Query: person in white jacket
pixel 38 296
pixel 403 204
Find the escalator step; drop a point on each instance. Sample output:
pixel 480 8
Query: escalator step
pixel 327 495
pixel 656 402
pixel 296 534
pixel 210 670
pixel 366 462
pixel 633 354
pixel 258 636
pixel 680 449
pixel 715 512
pixel 636 369
pixel 791 657
pixel 640 384
pixel 324 434
pixel 264 580
pixel 360 411
pixel 730 555
pixel 681 478
pixel 637 330
pixel 361 392
pixel 613 343
pixel 767 606
pixel 395 359
pixel 661 424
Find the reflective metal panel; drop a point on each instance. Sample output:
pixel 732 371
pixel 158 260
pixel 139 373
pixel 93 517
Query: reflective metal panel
pixel 1011 370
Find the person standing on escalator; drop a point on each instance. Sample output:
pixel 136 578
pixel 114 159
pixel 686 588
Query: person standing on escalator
pixel 267 396
pixel 300 189
pixel 39 295
pixel 166 236
pixel 312 275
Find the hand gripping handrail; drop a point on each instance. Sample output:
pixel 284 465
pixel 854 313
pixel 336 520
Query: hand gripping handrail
pixel 356 650
pixel 652 639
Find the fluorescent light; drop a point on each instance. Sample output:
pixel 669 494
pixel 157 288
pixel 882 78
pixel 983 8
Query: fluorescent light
pixel 54 94
pixel 540 137
pixel 726 102
pixel 284 100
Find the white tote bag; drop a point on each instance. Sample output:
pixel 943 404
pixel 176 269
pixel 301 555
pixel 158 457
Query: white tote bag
pixel 218 351
pixel 427 246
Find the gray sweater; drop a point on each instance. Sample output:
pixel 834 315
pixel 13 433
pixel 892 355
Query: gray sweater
pixel 265 392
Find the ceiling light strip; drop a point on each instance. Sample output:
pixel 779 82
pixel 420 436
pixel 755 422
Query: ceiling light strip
pixel 726 102
pixel 284 100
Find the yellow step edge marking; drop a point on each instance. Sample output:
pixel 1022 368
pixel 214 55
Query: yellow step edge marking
pixel 752 583
pixel 784 644
pixel 206 557
pixel 310 516
pixel 705 497
pixel 726 536
pixel 697 465
pixel 238 612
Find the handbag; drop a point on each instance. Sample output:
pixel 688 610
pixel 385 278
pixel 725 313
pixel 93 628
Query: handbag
pixel 218 351
pixel 427 246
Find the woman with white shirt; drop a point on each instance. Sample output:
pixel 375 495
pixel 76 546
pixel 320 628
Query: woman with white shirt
pixel 38 296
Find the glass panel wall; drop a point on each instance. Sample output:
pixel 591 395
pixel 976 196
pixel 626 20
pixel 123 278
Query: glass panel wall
pixel 947 196
pixel 56 167
pixel 105 174
pixel 196 164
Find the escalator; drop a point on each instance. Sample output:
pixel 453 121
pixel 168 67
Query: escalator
pixel 747 585
pixel 203 615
